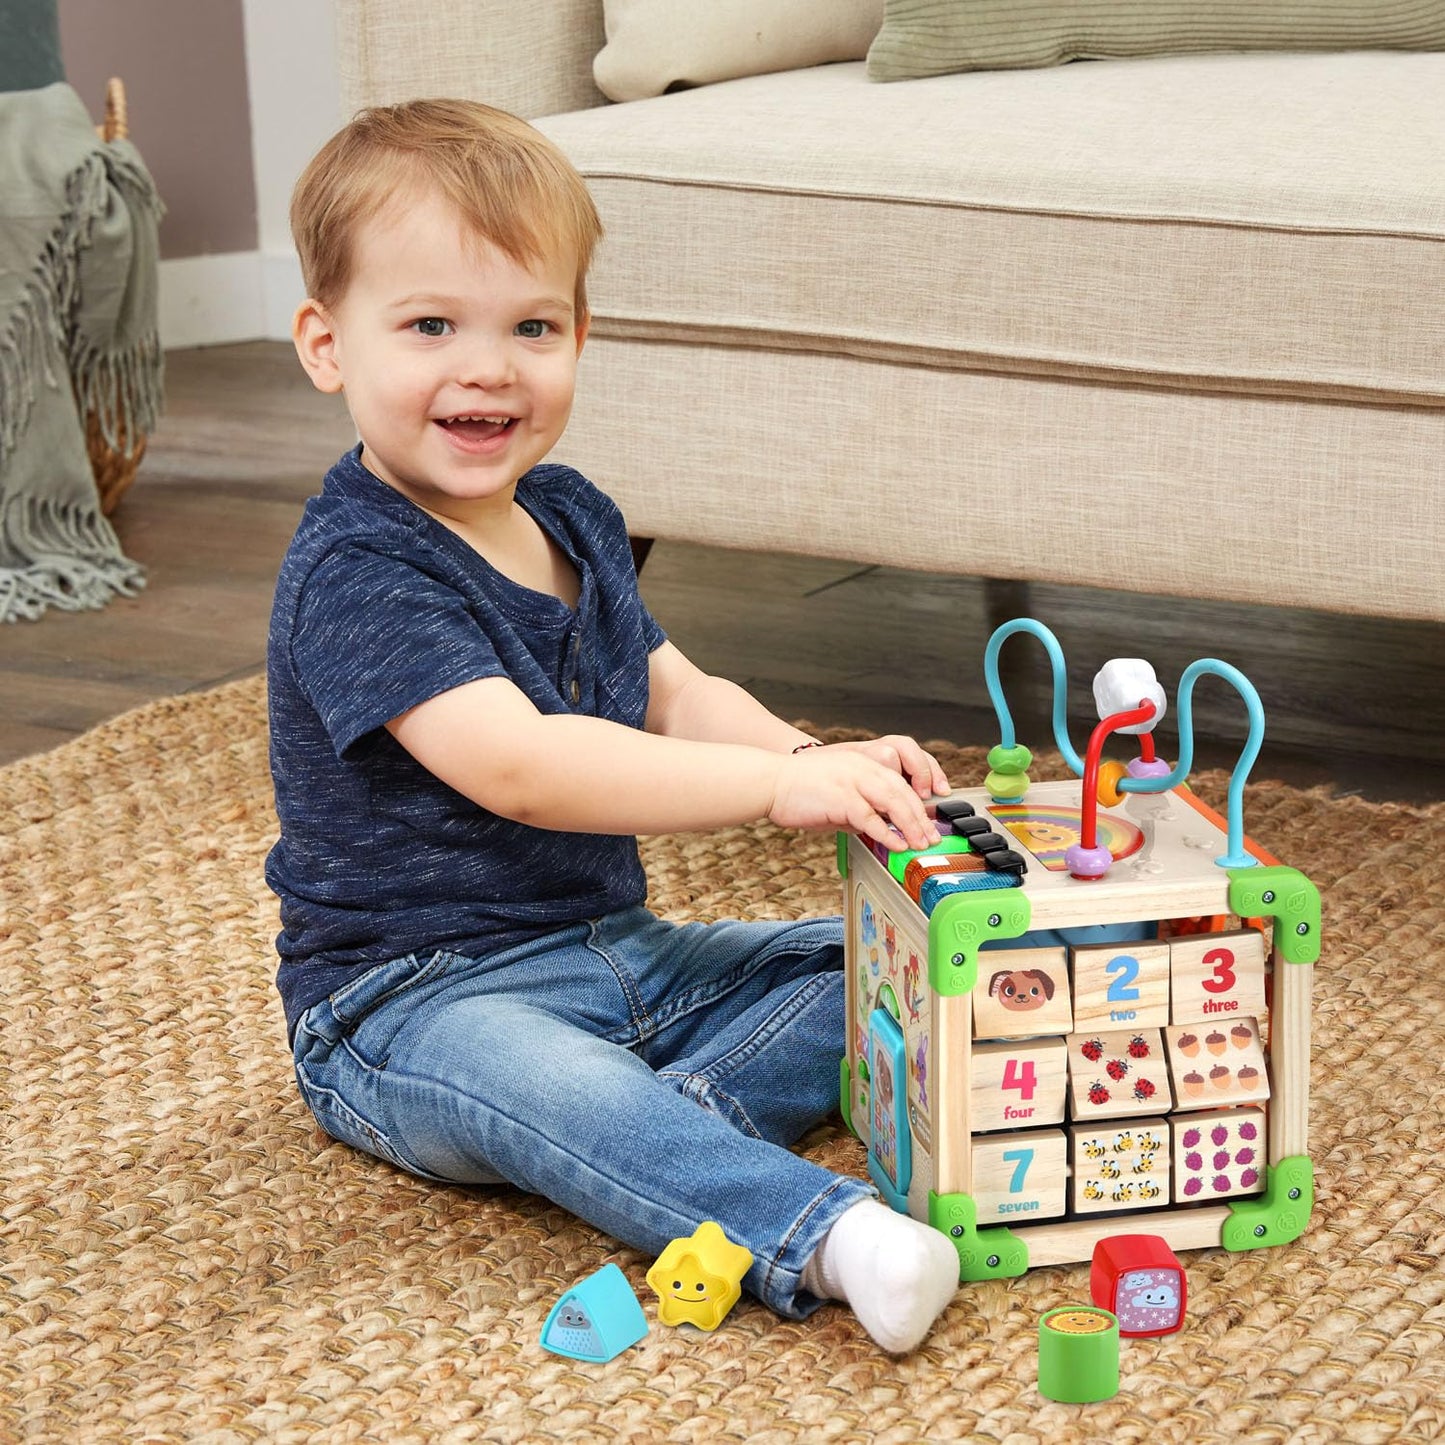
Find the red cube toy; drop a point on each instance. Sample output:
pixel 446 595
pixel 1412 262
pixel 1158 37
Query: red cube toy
pixel 1137 1278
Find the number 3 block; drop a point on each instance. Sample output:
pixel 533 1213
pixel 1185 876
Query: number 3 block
pixel 1121 985
pixel 1215 975
pixel 1018 1084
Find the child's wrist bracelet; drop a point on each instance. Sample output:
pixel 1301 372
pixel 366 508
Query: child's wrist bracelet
pixel 802 747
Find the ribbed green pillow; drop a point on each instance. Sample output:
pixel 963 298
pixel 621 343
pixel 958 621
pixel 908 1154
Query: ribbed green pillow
pixel 938 37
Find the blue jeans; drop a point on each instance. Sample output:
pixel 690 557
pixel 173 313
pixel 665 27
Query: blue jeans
pixel 644 1075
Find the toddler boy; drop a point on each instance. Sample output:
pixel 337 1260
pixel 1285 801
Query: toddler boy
pixel 473 714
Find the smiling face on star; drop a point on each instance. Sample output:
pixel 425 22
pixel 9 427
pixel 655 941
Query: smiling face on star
pixel 458 362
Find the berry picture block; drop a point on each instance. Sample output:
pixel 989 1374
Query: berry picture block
pixel 1218 1154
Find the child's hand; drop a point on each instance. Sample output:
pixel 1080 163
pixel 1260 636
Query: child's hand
pixel 903 755
pixel 843 786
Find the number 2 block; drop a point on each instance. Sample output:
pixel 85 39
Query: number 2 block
pixel 1121 985
pixel 1018 1177
pixel 1017 1084
pixel 1215 975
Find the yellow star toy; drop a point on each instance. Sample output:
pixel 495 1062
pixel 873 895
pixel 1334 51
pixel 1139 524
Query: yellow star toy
pixel 698 1279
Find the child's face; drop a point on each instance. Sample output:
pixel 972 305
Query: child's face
pixel 458 364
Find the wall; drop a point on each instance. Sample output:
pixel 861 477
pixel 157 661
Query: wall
pixel 228 99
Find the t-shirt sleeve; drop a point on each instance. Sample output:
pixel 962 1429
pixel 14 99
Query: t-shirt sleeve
pixel 375 636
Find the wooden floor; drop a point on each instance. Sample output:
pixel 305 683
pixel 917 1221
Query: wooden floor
pixel 1352 702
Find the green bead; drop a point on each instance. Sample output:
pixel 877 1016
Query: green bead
pixel 1009 760
pixel 1005 787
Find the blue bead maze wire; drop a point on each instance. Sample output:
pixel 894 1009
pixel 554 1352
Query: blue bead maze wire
pixel 1061 686
pixel 1235 857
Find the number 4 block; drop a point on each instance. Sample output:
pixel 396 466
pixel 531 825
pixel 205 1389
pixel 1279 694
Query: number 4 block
pixel 1017 1084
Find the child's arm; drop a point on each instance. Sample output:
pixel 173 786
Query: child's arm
pixel 686 702
pixel 587 775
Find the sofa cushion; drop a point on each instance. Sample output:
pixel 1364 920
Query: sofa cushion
pixel 937 37
pixel 1258 223
pixel 653 45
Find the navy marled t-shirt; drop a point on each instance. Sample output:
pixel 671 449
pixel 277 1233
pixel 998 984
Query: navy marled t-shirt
pixel 378 608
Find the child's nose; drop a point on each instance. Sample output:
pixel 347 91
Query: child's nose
pixel 486 364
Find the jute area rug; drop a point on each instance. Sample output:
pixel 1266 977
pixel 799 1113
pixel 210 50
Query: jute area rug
pixel 185 1257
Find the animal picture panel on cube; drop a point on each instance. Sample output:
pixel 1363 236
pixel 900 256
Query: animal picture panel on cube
pixel 1017 1084
pixel 1216 975
pixel 1119 1166
pixel 1215 1064
pixel 1120 985
pixel 1022 992
pixel 1218 1154
pixel 1117 1074
pixel 1017 1177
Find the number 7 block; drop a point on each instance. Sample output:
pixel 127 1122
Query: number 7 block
pixel 1019 1176
pixel 1017 1084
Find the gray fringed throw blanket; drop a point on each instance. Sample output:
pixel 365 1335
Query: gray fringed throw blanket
pixel 78 255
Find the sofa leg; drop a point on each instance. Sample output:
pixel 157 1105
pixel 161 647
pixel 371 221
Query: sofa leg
pixel 1003 600
pixel 641 546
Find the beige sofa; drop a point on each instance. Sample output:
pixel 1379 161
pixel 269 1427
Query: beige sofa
pixel 1171 325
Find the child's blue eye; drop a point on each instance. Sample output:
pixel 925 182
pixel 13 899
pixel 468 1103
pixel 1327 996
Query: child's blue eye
pixel 430 326
pixel 532 330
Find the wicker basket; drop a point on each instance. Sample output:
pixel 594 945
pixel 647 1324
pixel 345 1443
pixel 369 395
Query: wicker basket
pixel 115 466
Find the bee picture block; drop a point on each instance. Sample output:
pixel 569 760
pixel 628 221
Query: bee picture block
pixel 1119 1168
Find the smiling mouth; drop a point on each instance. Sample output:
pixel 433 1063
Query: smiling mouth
pixel 476 428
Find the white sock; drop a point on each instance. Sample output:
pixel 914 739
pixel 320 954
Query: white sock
pixel 895 1273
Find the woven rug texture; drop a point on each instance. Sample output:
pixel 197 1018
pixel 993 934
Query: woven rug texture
pixel 184 1256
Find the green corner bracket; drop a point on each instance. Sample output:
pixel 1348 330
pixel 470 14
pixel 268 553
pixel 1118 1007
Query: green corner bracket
pixel 996 1253
pixel 842 855
pixel 1279 1215
pixel 1288 897
pixel 961 924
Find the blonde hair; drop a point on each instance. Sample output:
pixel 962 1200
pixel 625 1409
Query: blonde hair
pixel 508 182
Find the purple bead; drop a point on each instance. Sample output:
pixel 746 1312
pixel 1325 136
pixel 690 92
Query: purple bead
pixel 1087 862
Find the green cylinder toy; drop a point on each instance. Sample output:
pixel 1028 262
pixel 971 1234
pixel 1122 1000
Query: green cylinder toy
pixel 1078 1355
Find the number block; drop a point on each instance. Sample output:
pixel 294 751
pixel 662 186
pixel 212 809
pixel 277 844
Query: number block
pixel 1121 985
pixel 1216 975
pixel 1021 992
pixel 1117 1074
pixel 1017 1085
pixel 1215 1064
pixel 1119 1168
pixel 1218 1154
pixel 1019 1176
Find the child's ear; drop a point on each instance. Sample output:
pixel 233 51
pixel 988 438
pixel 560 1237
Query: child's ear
pixel 584 321
pixel 313 333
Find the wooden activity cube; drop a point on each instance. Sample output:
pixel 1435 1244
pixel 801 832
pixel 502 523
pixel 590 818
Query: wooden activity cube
pixel 1036 1063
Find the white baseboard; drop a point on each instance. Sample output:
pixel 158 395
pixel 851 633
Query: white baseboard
pixel 243 296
